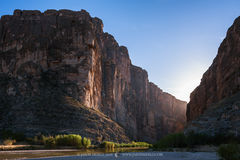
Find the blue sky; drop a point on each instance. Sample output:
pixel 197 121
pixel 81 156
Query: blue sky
pixel 174 40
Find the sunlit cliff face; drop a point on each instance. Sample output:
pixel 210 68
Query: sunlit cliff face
pixel 66 53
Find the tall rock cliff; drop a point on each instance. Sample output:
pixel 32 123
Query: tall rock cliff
pixel 51 57
pixel 214 105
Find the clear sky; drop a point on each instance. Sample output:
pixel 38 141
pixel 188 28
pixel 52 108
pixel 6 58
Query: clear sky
pixel 174 40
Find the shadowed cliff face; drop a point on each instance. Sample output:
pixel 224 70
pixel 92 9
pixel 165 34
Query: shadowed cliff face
pixel 214 104
pixel 66 54
pixel 222 79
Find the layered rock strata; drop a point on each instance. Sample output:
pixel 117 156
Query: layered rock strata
pixel 219 83
pixel 46 57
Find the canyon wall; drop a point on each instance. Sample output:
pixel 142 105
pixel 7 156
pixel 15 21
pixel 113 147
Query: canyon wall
pixel 214 104
pixel 48 57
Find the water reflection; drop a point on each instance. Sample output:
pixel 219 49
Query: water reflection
pixel 50 153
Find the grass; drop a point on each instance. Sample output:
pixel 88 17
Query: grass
pixel 229 151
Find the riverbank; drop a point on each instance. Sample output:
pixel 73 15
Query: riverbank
pixel 201 151
pixel 139 156
pixel 20 147
pixel 40 153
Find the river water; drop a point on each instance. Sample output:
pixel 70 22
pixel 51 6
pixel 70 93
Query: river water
pixel 25 154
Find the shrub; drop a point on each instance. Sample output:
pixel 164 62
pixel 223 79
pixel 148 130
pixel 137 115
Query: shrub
pixel 37 140
pixel 9 141
pixel 69 140
pixel 172 140
pixel 108 144
pixel 229 151
pixel 141 144
pixel 7 134
pixel 42 139
pixel 50 142
pixel 191 139
pixel 198 139
pixel 225 139
pixel 86 142
pixel 64 140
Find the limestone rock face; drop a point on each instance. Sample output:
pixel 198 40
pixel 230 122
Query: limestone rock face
pixel 222 79
pixel 46 58
pixel 219 83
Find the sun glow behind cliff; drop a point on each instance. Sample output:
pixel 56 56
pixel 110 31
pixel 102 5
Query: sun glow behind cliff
pixel 185 86
pixel 184 82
